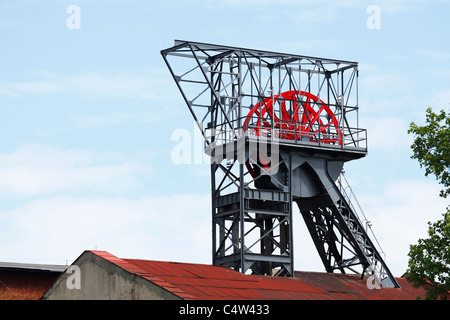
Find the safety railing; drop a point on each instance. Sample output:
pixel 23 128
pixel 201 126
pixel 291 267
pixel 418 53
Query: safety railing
pixel 349 196
pixel 290 132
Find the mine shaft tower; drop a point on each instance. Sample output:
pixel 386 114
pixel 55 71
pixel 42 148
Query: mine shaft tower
pixel 279 128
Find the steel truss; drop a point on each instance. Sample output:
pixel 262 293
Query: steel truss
pixel 252 228
pixel 335 226
pixel 305 111
pixel 221 84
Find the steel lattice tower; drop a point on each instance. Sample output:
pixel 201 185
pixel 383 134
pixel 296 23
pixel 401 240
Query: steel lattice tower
pixel 279 128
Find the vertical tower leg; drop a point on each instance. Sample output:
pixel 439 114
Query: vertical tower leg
pixel 252 227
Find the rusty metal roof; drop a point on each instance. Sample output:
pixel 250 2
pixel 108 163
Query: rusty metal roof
pixel 207 282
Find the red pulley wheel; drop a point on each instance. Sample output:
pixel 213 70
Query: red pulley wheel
pixel 301 115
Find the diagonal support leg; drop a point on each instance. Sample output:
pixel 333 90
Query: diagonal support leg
pixel 337 232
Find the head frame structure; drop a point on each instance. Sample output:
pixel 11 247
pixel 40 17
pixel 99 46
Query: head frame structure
pixel 279 128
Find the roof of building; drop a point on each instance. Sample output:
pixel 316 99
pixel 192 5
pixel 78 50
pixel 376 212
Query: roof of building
pixel 26 281
pixel 207 282
pixel 16 266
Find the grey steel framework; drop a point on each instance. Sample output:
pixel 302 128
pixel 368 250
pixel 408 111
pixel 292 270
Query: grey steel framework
pixel 279 128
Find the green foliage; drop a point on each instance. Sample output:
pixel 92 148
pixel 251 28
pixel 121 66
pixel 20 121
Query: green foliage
pixel 429 263
pixel 431 147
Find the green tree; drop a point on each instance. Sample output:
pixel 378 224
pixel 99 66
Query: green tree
pixel 429 259
pixel 431 147
pixel 429 263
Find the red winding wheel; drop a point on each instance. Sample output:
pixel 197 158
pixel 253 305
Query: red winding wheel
pixel 307 117
pixel 297 122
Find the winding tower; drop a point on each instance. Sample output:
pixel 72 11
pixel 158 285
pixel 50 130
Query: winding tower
pixel 279 128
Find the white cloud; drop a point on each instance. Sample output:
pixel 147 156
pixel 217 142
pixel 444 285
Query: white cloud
pixel 55 229
pixel 37 170
pixel 440 100
pixel 32 87
pixel 304 46
pixel 116 85
pixel 146 84
pixel 387 133
pixel 116 118
pixel 387 102
pixel 396 7
pixel 400 214
pixel 387 6
pixel 58 202
pixel 385 85
pixel 281 3
pixel 435 54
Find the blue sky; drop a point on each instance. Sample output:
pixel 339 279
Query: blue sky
pixel 87 117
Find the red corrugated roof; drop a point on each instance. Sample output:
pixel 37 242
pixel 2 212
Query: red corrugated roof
pixel 207 282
